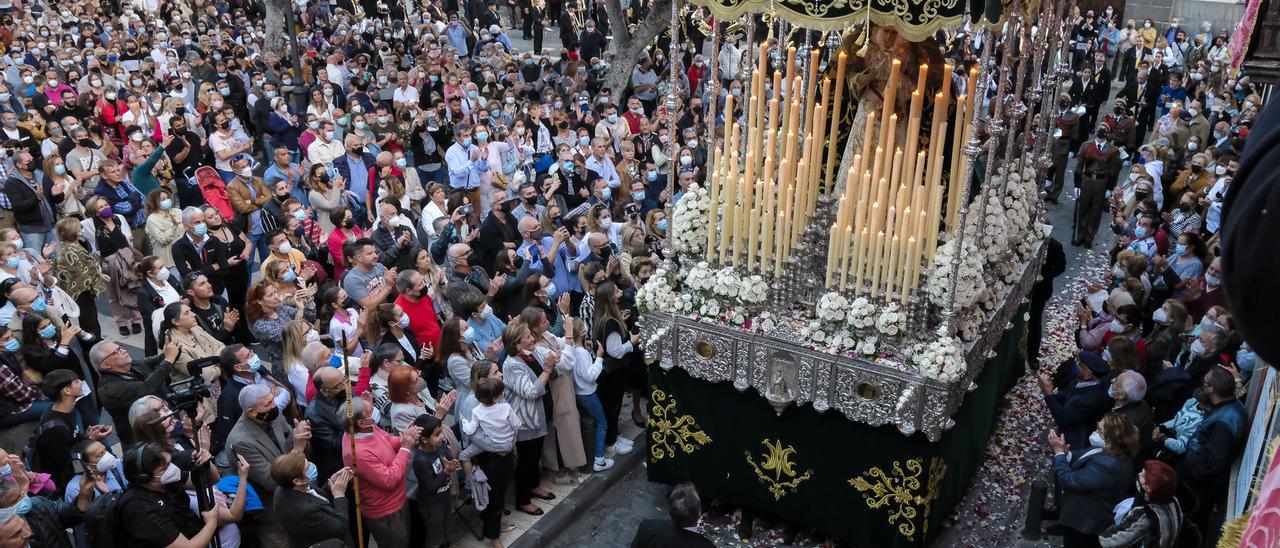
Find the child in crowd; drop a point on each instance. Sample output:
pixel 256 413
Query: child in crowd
pixel 585 372
pixel 493 425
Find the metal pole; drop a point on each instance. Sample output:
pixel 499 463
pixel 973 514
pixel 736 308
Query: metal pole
pixel 971 150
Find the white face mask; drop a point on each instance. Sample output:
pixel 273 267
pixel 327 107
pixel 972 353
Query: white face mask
pixel 1211 280
pixel 1116 327
pixel 313 336
pixel 1095 439
pixel 106 463
pixel 1160 316
pixel 1197 348
pixel 172 474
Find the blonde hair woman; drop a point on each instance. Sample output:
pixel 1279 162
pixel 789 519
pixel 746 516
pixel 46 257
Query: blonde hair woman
pixel 297 334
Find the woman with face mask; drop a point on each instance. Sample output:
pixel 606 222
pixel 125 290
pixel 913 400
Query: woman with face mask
pixel 312 509
pixel 1094 478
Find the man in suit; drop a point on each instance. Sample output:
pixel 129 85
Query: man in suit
pixel 1141 95
pixel 326 428
pixel 1077 407
pixel 1101 87
pixel 1159 71
pixel 243 368
pixel 310 516
pixel 1082 92
pixel 196 252
pixel 1097 168
pixel 1091 480
pixel 681 531
pixel 261 435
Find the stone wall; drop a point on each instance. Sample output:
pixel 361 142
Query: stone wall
pixel 1223 15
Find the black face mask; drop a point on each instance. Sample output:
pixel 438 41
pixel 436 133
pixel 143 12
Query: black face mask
pixel 1196 168
pixel 86 143
pixel 357 151
pixel 224 125
pixel 1141 195
pixel 270 416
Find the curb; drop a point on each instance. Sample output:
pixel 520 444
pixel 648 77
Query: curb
pixel 545 531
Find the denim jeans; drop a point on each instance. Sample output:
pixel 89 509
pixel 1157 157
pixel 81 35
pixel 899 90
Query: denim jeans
pixel 32 413
pixel 260 244
pixel 591 404
pixel 36 241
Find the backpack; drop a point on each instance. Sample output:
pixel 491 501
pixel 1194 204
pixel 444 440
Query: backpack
pixel 100 521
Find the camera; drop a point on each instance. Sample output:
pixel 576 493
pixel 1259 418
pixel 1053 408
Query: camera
pixel 185 394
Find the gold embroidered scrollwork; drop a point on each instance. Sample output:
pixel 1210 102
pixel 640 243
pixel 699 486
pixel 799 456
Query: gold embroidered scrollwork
pixel 670 431
pixel 901 494
pixel 777 459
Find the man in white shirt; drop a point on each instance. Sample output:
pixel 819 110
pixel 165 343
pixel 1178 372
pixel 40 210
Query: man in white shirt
pixel 612 127
pixel 325 148
pixel 405 95
pixel 466 165
pixel 601 164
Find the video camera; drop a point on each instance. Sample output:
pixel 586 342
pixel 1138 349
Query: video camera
pixel 185 394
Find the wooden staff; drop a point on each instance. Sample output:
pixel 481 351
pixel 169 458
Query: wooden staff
pixel 351 432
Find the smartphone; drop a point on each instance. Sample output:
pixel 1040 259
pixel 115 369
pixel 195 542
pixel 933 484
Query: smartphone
pixel 557 222
pixel 77 464
pixel 632 210
pixel 466 209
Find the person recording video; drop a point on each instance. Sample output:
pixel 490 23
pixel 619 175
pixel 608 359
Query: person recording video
pixel 124 380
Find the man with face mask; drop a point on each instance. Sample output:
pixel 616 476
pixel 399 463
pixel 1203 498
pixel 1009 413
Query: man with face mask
pixel 387 457
pixel 1096 171
pixel 62 426
pixel 248 194
pixel 27 520
pixel 259 436
pixel 34 197
pixel 1206 469
pixel 1193 179
pixel 123 380
pixel 243 368
pixel 322 414
pixel 1077 406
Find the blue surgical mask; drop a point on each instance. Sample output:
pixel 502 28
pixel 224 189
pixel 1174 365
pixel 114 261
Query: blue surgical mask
pixel 201 229
pixel 1180 249
pixel 653 176
pixel 433 78
pixel 335 361
pixel 568 167
pixel 23 506
pixel 472 93
pixel 60 169
pixel 466 142
pixel 39 305
pixel 637 196
pixel 312 472
pixel 584 140
pixel 551 289
pixel 662 225
pixel 166 204
pixel 300 215
pixel 254 363
pixel 13 262
pixel 1140 232
pixel 48 331
pixel 11 347
pixel 289 276
pixel 613 118
pixel 606 193
pixel 482 137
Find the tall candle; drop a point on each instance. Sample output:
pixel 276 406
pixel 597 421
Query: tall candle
pixel 957 156
pixel 836 112
pixel 869 141
pixel 781 257
pixel 810 90
pixel 889 107
pixel 895 176
pixel 911 265
pixel 912 137
pixel 892 139
pixel 877 263
pixel 753 226
pixel 845 256
pixel 713 212
pixel 859 256
pixel 832 252
pixel 891 274
pixel 798 212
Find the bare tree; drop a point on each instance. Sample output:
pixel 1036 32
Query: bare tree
pixel 629 45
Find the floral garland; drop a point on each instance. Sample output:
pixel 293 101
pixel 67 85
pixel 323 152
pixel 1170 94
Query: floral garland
pixel 689 222
pixel 715 296
pixel 971 284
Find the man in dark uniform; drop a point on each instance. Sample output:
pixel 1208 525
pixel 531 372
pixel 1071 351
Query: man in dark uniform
pixel 1097 168
pixel 1142 95
pixel 1101 88
pixel 1060 147
pixel 1121 125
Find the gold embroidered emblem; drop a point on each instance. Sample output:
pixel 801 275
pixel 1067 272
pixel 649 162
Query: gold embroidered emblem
pixel 670 431
pixel 778 461
pixel 901 493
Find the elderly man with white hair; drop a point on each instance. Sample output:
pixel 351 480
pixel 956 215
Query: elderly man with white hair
pixel 1129 389
pixel 122 380
pixel 260 436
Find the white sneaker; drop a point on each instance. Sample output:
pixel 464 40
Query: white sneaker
pixel 626 442
pixel 619 449
pixel 602 464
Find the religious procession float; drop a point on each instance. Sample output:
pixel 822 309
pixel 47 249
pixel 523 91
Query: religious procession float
pixel 845 308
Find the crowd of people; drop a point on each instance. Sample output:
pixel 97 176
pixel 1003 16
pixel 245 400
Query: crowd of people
pixel 456 230
pixel 1148 415
pixel 453 228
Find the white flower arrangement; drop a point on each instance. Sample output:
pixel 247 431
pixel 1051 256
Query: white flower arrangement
pixel 657 294
pixel 689 222
pixel 861 314
pixel 753 290
pixel 726 283
pixel 832 307
pixel 970 283
pixel 892 320
pixel 700 278
pixel 941 359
